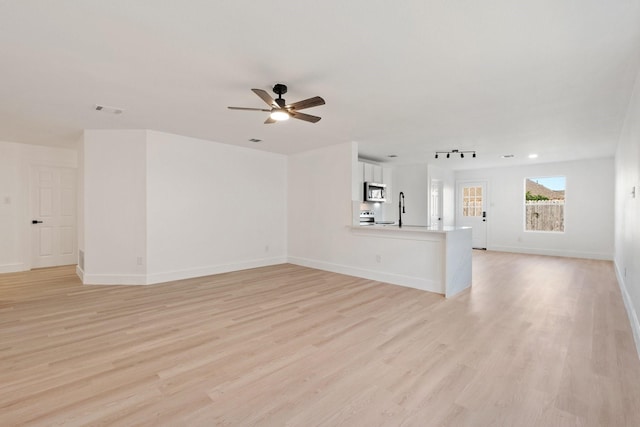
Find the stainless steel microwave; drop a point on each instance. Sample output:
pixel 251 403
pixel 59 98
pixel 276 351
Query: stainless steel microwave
pixel 374 192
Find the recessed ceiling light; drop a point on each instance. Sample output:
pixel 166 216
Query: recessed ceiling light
pixel 507 156
pixel 255 140
pixel 533 156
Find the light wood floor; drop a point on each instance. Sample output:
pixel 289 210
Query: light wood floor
pixel 537 341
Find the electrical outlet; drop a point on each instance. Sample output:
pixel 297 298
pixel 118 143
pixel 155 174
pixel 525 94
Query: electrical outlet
pixel 378 259
pixel 266 248
pixel 139 260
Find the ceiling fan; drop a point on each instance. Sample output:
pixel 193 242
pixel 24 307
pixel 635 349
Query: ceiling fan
pixel 280 110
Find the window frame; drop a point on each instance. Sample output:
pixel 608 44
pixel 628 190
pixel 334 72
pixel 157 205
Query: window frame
pixel 524 205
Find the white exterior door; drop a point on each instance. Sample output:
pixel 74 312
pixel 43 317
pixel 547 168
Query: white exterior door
pixel 471 211
pixel 53 216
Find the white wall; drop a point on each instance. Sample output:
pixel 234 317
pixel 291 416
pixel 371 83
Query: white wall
pixel 589 209
pixel 212 207
pixel 161 207
pixel 320 201
pixel 114 206
pixel 413 181
pixel 80 202
pixel 13 197
pixel 15 215
pixel 627 230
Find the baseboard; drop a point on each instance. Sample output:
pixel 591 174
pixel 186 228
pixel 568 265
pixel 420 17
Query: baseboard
pixel 395 279
pixel 553 252
pixel 80 273
pixel 631 311
pixel 168 276
pixel 113 279
pixel 13 268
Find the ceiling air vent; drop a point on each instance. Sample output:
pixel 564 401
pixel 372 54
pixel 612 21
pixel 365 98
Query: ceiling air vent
pixel 107 109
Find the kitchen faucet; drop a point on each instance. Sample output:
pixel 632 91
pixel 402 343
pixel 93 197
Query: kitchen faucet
pixel 400 208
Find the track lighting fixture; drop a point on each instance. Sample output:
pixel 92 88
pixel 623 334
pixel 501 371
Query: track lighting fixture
pixel 462 153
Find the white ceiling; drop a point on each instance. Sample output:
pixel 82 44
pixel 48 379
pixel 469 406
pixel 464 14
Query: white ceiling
pixel 499 77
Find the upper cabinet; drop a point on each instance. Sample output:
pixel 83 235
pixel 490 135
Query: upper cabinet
pixel 373 173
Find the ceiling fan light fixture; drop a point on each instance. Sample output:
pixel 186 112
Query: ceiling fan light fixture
pixel 280 115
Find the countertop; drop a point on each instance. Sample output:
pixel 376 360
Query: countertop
pixel 411 228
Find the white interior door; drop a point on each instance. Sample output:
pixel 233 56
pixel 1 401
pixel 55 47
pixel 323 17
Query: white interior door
pixel 471 211
pixel 53 220
pixel 435 209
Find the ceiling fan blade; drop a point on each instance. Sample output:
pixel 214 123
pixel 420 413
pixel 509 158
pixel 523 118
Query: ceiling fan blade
pixel 248 109
pixel 305 117
pixel 307 103
pixel 269 120
pixel 265 97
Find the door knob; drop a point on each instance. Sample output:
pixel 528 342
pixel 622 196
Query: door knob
pixel 35 221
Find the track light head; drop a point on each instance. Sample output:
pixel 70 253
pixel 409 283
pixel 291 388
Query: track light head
pixel 462 153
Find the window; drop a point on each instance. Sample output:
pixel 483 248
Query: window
pixel 544 203
pixel 472 201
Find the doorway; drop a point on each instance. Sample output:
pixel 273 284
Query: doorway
pixel 471 211
pixel 53 216
pixel 435 200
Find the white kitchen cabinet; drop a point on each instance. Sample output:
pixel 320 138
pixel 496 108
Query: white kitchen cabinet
pixel 369 172
pixel 372 173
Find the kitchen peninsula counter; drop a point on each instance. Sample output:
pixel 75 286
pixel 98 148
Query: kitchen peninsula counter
pixel 436 259
pixel 411 228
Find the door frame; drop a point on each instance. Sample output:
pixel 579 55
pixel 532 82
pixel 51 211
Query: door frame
pixel 487 204
pixel 29 248
pixel 440 213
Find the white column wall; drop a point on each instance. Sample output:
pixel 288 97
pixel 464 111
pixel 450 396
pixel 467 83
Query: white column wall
pixel 160 207
pixel 114 206
pixel 212 207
